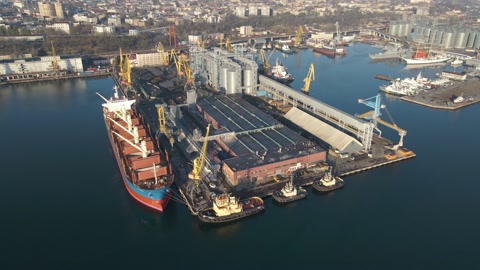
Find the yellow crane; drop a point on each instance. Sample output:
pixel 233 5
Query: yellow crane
pixel 228 45
pixel 266 65
pixel 199 162
pixel 162 124
pixel 127 71
pixel 177 62
pixel 298 37
pixel 200 43
pixel 310 77
pixel 55 65
pixel 163 54
pixel 120 64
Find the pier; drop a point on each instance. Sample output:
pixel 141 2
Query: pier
pixel 442 98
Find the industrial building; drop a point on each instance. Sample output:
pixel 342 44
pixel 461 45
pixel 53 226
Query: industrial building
pixel 39 65
pixel 440 35
pixel 253 146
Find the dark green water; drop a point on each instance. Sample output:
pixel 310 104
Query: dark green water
pixel 64 206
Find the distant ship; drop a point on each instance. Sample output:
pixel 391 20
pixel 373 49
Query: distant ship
pixel 390 53
pixel 329 50
pixel 421 57
pixel 279 73
pixel 145 171
pixel 228 208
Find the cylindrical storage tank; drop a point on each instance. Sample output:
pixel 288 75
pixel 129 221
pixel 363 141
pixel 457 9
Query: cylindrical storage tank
pixel 476 44
pixel 448 40
pixel 471 39
pixel 419 31
pixel 248 81
pixel 223 77
pixel 401 30
pixel 426 34
pixel 231 87
pixel 407 30
pixel 460 40
pixel 433 35
pixel 438 38
pixel 394 29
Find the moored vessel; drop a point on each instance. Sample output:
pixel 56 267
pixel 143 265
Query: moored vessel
pixel 328 182
pixel 229 208
pixel 289 193
pixel 421 57
pixel 279 73
pixel 145 171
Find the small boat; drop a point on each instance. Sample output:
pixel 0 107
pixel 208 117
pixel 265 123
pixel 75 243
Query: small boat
pixel 228 208
pixel 456 62
pixel 328 182
pixel 289 193
pixel 459 99
pixel 286 49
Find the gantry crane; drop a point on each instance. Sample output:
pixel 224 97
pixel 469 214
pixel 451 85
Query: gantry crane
pixel 55 65
pixel 298 36
pixel 199 162
pixel 310 77
pixel 163 54
pixel 376 103
pixel 162 124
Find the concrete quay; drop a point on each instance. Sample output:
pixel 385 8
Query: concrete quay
pixel 442 98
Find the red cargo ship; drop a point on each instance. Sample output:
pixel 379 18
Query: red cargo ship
pixel 146 172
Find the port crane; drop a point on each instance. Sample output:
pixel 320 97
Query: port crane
pixel 163 54
pixel 162 124
pixel 177 62
pixel 298 36
pixel 310 77
pixel 55 65
pixel 266 65
pixel 199 162
pixel 374 115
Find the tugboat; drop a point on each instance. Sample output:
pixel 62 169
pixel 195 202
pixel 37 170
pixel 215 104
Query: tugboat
pixel 289 193
pixel 229 208
pixel 328 182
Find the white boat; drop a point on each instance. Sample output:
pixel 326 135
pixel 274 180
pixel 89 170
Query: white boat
pixel 456 62
pixel 459 99
pixel 396 88
pixel 421 57
pixel 429 60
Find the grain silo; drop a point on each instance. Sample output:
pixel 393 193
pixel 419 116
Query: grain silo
pixel 471 38
pixel 460 40
pixel 393 30
pixel 231 82
pixel 248 82
pixel 448 39
pixel 223 77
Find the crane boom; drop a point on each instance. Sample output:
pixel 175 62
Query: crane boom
pixel 56 67
pixel 199 162
pixel 310 77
